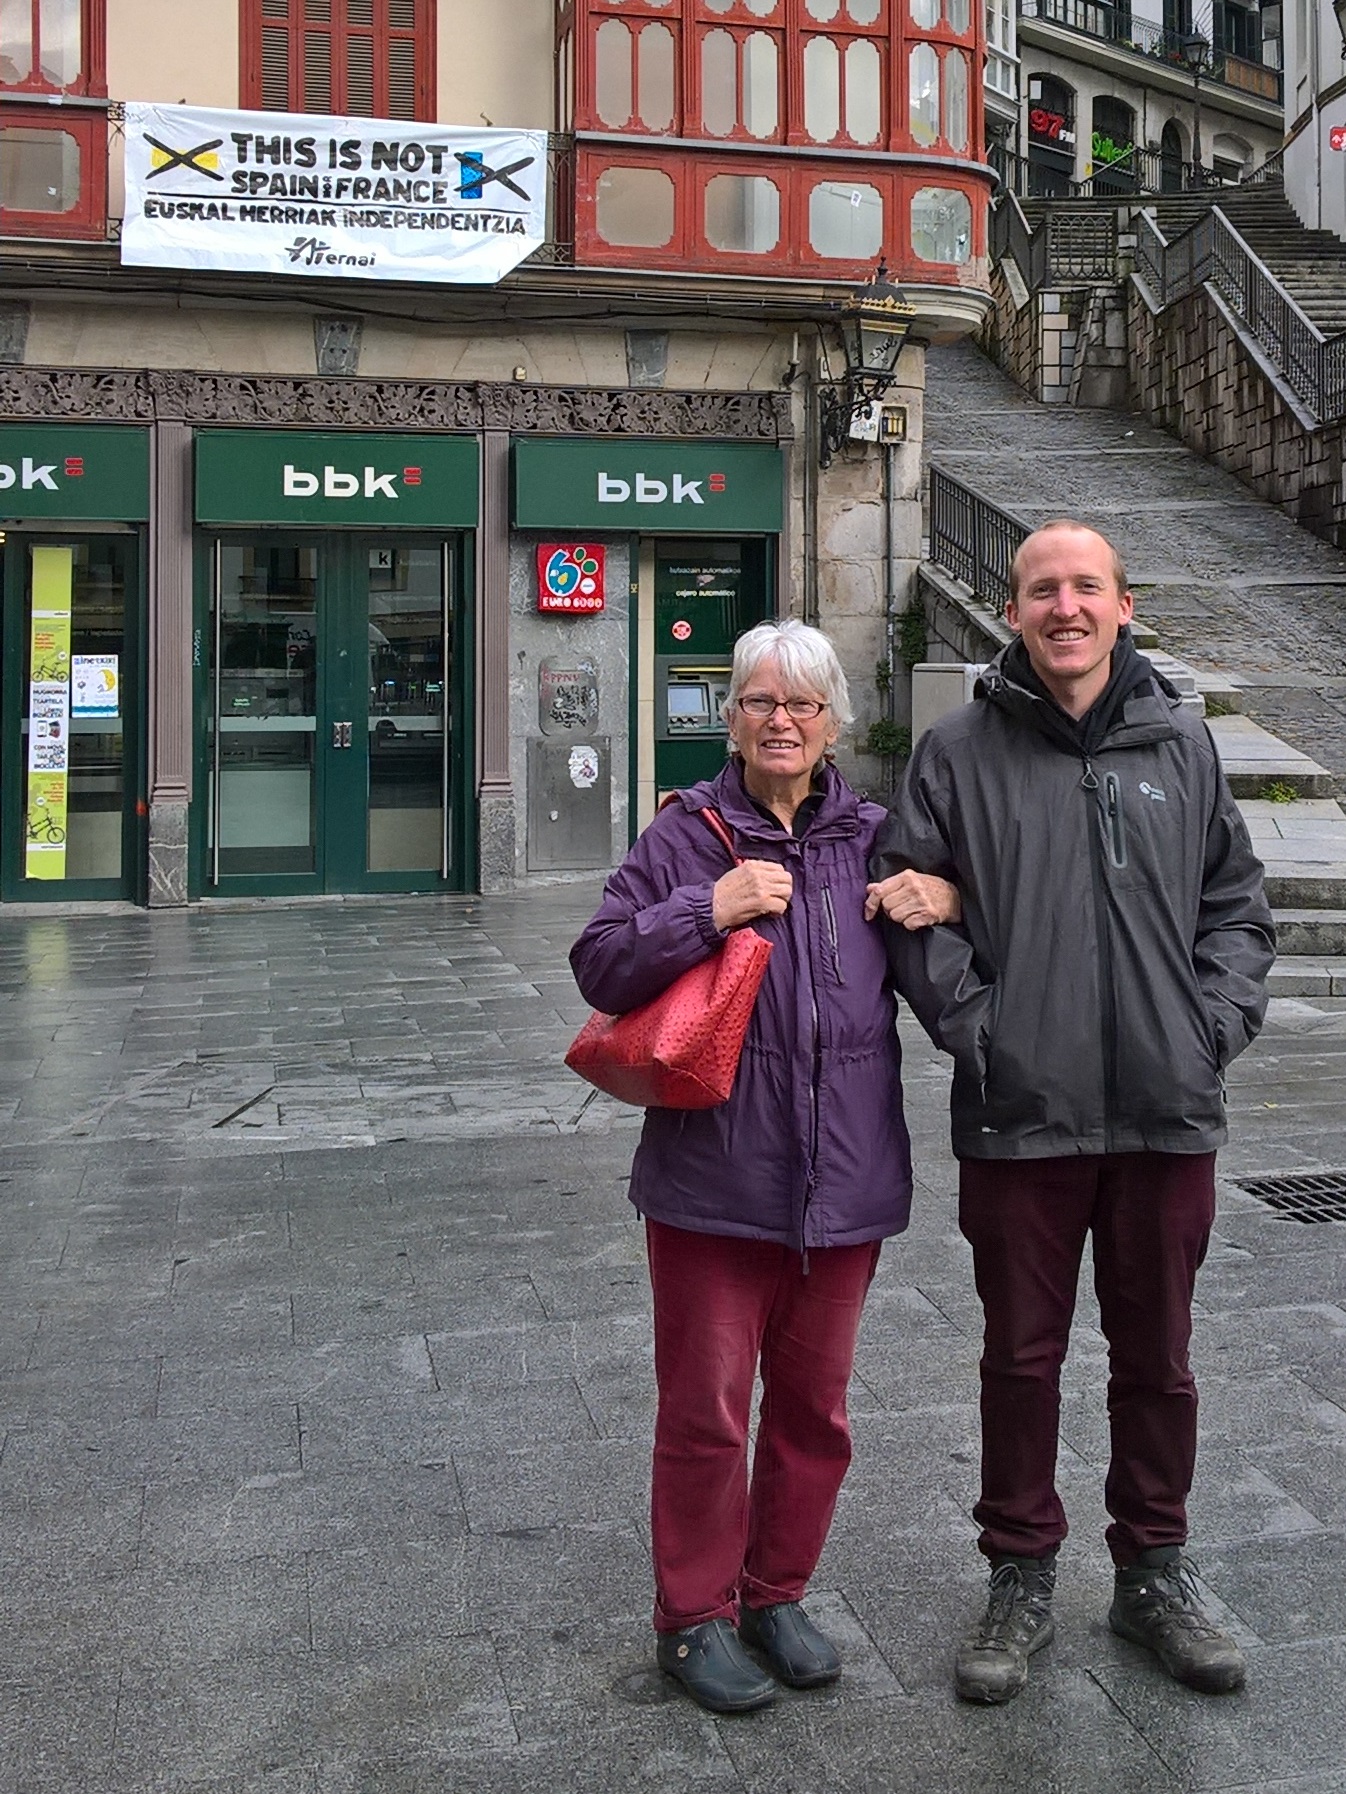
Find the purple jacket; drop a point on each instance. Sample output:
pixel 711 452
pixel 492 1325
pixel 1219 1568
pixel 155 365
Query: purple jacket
pixel 811 1149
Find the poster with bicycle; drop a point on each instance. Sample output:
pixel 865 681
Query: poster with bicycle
pixel 49 713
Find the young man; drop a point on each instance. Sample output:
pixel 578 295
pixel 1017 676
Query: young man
pixel 1111 962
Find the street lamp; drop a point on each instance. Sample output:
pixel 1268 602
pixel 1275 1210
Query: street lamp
pixel 874 324
pixel 1194 51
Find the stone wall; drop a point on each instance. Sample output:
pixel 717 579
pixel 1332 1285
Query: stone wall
pixel 1196 375
pixel 1064 345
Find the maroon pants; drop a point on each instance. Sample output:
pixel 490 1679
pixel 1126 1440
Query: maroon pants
pixel 1150 1215
pixel 721 1305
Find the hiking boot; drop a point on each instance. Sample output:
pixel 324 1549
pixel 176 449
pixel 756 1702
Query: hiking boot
pixel 714 1668
pixel 1155 1605
pixel 797 1653
pixel 992 1662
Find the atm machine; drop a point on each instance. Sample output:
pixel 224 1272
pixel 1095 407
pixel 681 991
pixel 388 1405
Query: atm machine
pixel 690 735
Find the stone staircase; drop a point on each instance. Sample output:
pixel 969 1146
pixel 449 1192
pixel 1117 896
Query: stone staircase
pixel 1310 264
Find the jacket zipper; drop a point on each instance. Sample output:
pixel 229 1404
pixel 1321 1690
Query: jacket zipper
pixel 810 1170
pixel 832 938
pixel 1107 1003
pixel 1112 803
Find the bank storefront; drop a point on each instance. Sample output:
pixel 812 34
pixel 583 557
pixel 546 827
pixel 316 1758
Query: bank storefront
pixel 692 533
pixel 334 685
pixel 74 500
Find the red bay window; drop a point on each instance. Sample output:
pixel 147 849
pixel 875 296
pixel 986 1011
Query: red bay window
pixel 53 153
pixel 801 137
pixel 356 58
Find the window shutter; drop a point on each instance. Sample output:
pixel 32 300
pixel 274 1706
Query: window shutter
pixel 275 68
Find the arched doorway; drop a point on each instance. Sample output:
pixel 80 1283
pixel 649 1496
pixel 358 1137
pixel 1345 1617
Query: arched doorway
pixel 1170 159
pixel 1051 137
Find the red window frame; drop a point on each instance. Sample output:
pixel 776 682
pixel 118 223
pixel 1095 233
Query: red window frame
pixel 289 16
pixel 88 218
pixel 91 80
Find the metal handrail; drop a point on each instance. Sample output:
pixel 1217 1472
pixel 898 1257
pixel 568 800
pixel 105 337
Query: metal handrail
pixel 1211 250
pixel 972 539
pixel 1067 245
pixel 1115 25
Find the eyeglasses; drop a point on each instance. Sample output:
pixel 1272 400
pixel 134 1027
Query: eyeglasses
pixel 801 709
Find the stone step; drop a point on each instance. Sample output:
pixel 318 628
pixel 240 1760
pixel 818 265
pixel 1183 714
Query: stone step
pixel 1296 886
pixel 1317 933
pixel 1295 975
pixel 1254 759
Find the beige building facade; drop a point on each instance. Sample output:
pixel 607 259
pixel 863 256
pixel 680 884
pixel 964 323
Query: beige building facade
pixel 283 688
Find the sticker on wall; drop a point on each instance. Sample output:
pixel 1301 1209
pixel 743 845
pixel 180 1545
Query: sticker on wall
pixel 682 630
pixel 583 768
pixel 570 577
pixel 567 694
pixel 1336 137
pixel 49 713
pixel 95 685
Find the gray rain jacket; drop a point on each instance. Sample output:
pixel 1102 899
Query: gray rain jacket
pixel 1116 939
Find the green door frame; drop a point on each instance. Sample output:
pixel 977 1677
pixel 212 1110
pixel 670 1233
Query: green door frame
pixel 132 886
pixel 341 618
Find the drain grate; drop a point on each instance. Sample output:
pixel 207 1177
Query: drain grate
pixel 1307 1196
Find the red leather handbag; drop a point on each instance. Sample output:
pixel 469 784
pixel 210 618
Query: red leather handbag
pixel 681 1049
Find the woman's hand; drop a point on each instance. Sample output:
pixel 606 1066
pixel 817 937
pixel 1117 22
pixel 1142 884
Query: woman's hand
pixel 914 900
pixel 756 888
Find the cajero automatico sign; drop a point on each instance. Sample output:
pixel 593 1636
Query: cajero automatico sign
pixel 624 483
pixel 96 471
pixel 345 198
pixel 337 478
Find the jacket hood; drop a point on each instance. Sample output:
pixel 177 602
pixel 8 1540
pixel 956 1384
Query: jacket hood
pixel 1137 705
pixel 838 814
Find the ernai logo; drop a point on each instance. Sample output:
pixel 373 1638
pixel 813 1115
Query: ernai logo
pixel 297 482
pixel 646 491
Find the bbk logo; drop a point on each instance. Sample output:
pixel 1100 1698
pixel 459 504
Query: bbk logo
pixel 30 473
pixel 647 491
pixel 297 482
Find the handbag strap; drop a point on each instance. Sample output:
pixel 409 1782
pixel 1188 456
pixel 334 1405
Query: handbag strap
pixel 716 824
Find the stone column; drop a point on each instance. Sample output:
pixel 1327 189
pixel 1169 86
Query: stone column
pixel 170 661
pixel 495 793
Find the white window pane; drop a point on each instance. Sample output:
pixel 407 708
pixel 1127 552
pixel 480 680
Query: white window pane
pixel 863 12
pixel 941 225
pixel 612 62
pixel 635 207
pixel 39 170
pixel 955 99
pixel 863 68
pixel 822 89
pixel 822 10
pixel 719 83
pixel 925 13
pixel 59 24
pixel 762 9
pixel 959 15
pixel 655 55
pixel 924 84
pixel 742 213
pixel 16 41
pixel 846 220
pixel 761 85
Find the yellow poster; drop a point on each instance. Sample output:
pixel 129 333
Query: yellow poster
pixel 49 713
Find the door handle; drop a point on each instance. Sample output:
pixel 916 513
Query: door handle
pixel 341 735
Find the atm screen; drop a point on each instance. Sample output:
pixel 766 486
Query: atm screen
pixel 688 703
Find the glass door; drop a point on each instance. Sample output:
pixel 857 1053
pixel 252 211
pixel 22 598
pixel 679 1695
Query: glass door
pixel 71 695
pixel 334 729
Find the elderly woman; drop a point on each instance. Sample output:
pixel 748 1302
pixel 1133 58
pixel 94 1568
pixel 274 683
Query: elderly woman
pixel 764 1217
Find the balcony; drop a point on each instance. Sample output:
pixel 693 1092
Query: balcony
pixel 1140 37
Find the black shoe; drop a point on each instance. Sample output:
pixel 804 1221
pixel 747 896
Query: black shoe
pixel 992 1661
pixel 714 1668
pixel 1155 1605
pixel 798 1653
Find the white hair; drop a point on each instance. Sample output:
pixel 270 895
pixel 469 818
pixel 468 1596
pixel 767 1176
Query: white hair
pixel 807 661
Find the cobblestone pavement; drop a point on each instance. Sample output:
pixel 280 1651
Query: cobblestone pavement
pixel 1229 583
pixel 325 1401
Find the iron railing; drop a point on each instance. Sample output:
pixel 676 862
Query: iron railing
pixel 973 539
pixel 1115 25
pixel 1066 245
pixel 559 248
pixel 1211 250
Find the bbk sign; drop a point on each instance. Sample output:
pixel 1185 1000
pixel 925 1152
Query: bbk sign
pixel 621 484
pixel 336 478
pixel 74 470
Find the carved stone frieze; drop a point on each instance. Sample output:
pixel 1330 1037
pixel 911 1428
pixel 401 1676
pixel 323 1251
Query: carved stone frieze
pixel 153 394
